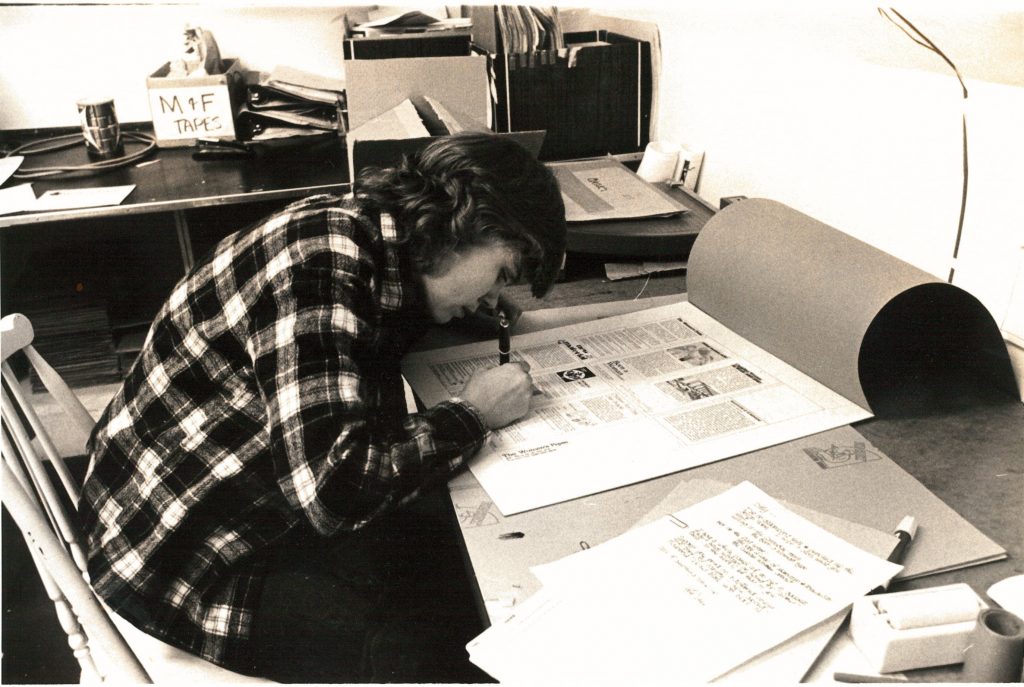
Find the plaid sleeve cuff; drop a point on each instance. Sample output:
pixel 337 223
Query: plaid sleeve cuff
pixel 458 421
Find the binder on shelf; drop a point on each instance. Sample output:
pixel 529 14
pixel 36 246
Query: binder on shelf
pixel 288 103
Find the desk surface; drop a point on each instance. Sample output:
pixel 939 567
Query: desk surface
pixel 965 448
pixel 169 180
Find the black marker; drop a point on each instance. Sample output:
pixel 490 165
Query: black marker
pixel 904 532
pixel 504 339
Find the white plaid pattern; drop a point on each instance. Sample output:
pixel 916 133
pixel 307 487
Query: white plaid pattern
pixel 178 593
pixel 193 425
pixel 173 514
pixel 158 380
pixel 128 565
pixel 234 310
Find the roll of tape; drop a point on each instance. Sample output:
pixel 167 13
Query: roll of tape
pixel 995 652
pixel 927 608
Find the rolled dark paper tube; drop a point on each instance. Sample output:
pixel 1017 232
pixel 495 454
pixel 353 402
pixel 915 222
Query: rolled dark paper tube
pixel 995 652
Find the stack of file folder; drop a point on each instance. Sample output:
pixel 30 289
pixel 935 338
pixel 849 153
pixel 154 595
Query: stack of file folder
pixel 289 103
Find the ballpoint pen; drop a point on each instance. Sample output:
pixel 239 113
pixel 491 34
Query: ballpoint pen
pixel 504 338
pixel 904 532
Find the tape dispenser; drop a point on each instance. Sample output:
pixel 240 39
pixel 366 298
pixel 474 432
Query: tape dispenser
pixel 915 629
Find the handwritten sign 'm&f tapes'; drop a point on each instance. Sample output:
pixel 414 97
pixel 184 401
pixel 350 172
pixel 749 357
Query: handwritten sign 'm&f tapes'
pixel 184 109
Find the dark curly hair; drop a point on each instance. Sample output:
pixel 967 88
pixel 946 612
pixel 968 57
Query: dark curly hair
pixel 468 190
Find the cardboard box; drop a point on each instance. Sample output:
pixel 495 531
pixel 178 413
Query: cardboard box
pixel 410 125
pixel 184 109
pixel 373 87
pixel 396 106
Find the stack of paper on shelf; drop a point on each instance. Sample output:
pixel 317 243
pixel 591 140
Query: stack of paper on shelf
pixel 412 21
pixel 692 595
pixel 526 29
pixel 74 335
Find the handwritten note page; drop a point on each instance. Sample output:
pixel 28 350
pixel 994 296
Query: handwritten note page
pixel 689 596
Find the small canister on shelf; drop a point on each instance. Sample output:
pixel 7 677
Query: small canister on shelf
pixel 100 128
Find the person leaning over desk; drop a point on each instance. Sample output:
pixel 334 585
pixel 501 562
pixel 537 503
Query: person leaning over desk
pixel 243 492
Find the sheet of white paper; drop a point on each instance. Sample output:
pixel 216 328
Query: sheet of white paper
pixel 71 198
pixel 604 188
pixel 790 661
pixel 627 270
pixel 9 165
pixel 18 198
pixel 628 398
pixel 304 79
pixel 701 591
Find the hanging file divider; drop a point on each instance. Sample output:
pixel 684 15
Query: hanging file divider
pixel 593 97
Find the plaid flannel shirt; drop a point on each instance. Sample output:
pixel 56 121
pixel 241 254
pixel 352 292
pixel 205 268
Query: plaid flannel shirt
pixel 267 398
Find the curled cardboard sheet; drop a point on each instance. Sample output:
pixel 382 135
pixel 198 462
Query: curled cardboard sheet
pixel 863 323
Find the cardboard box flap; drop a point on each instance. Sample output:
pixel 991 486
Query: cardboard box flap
pixel 375 86
pixel 447 120
pixel 400 122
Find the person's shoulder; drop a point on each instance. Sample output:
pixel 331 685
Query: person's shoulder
pixel 311 207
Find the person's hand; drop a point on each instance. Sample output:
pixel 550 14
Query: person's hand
pixel 501 394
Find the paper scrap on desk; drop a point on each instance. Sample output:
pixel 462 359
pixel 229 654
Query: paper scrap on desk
pixel 627 270
pixel 707 588
pixel 20 198
pixel 72 198
pixel 9 165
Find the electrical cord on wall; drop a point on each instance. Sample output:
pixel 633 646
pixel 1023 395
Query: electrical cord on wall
pixel 49 145
pixel 926 42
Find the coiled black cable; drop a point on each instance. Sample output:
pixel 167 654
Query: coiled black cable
pixel 50 145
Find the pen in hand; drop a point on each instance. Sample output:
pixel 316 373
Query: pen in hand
pixel 904 532
pixel 504 338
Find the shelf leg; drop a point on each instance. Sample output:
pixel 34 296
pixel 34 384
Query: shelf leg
pixel 184 240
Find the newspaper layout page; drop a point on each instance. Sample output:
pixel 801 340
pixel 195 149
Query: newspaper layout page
pixel 629 398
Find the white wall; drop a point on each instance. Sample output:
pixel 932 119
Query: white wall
pixel 52 55
pixel 824 106
pixel 830 108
